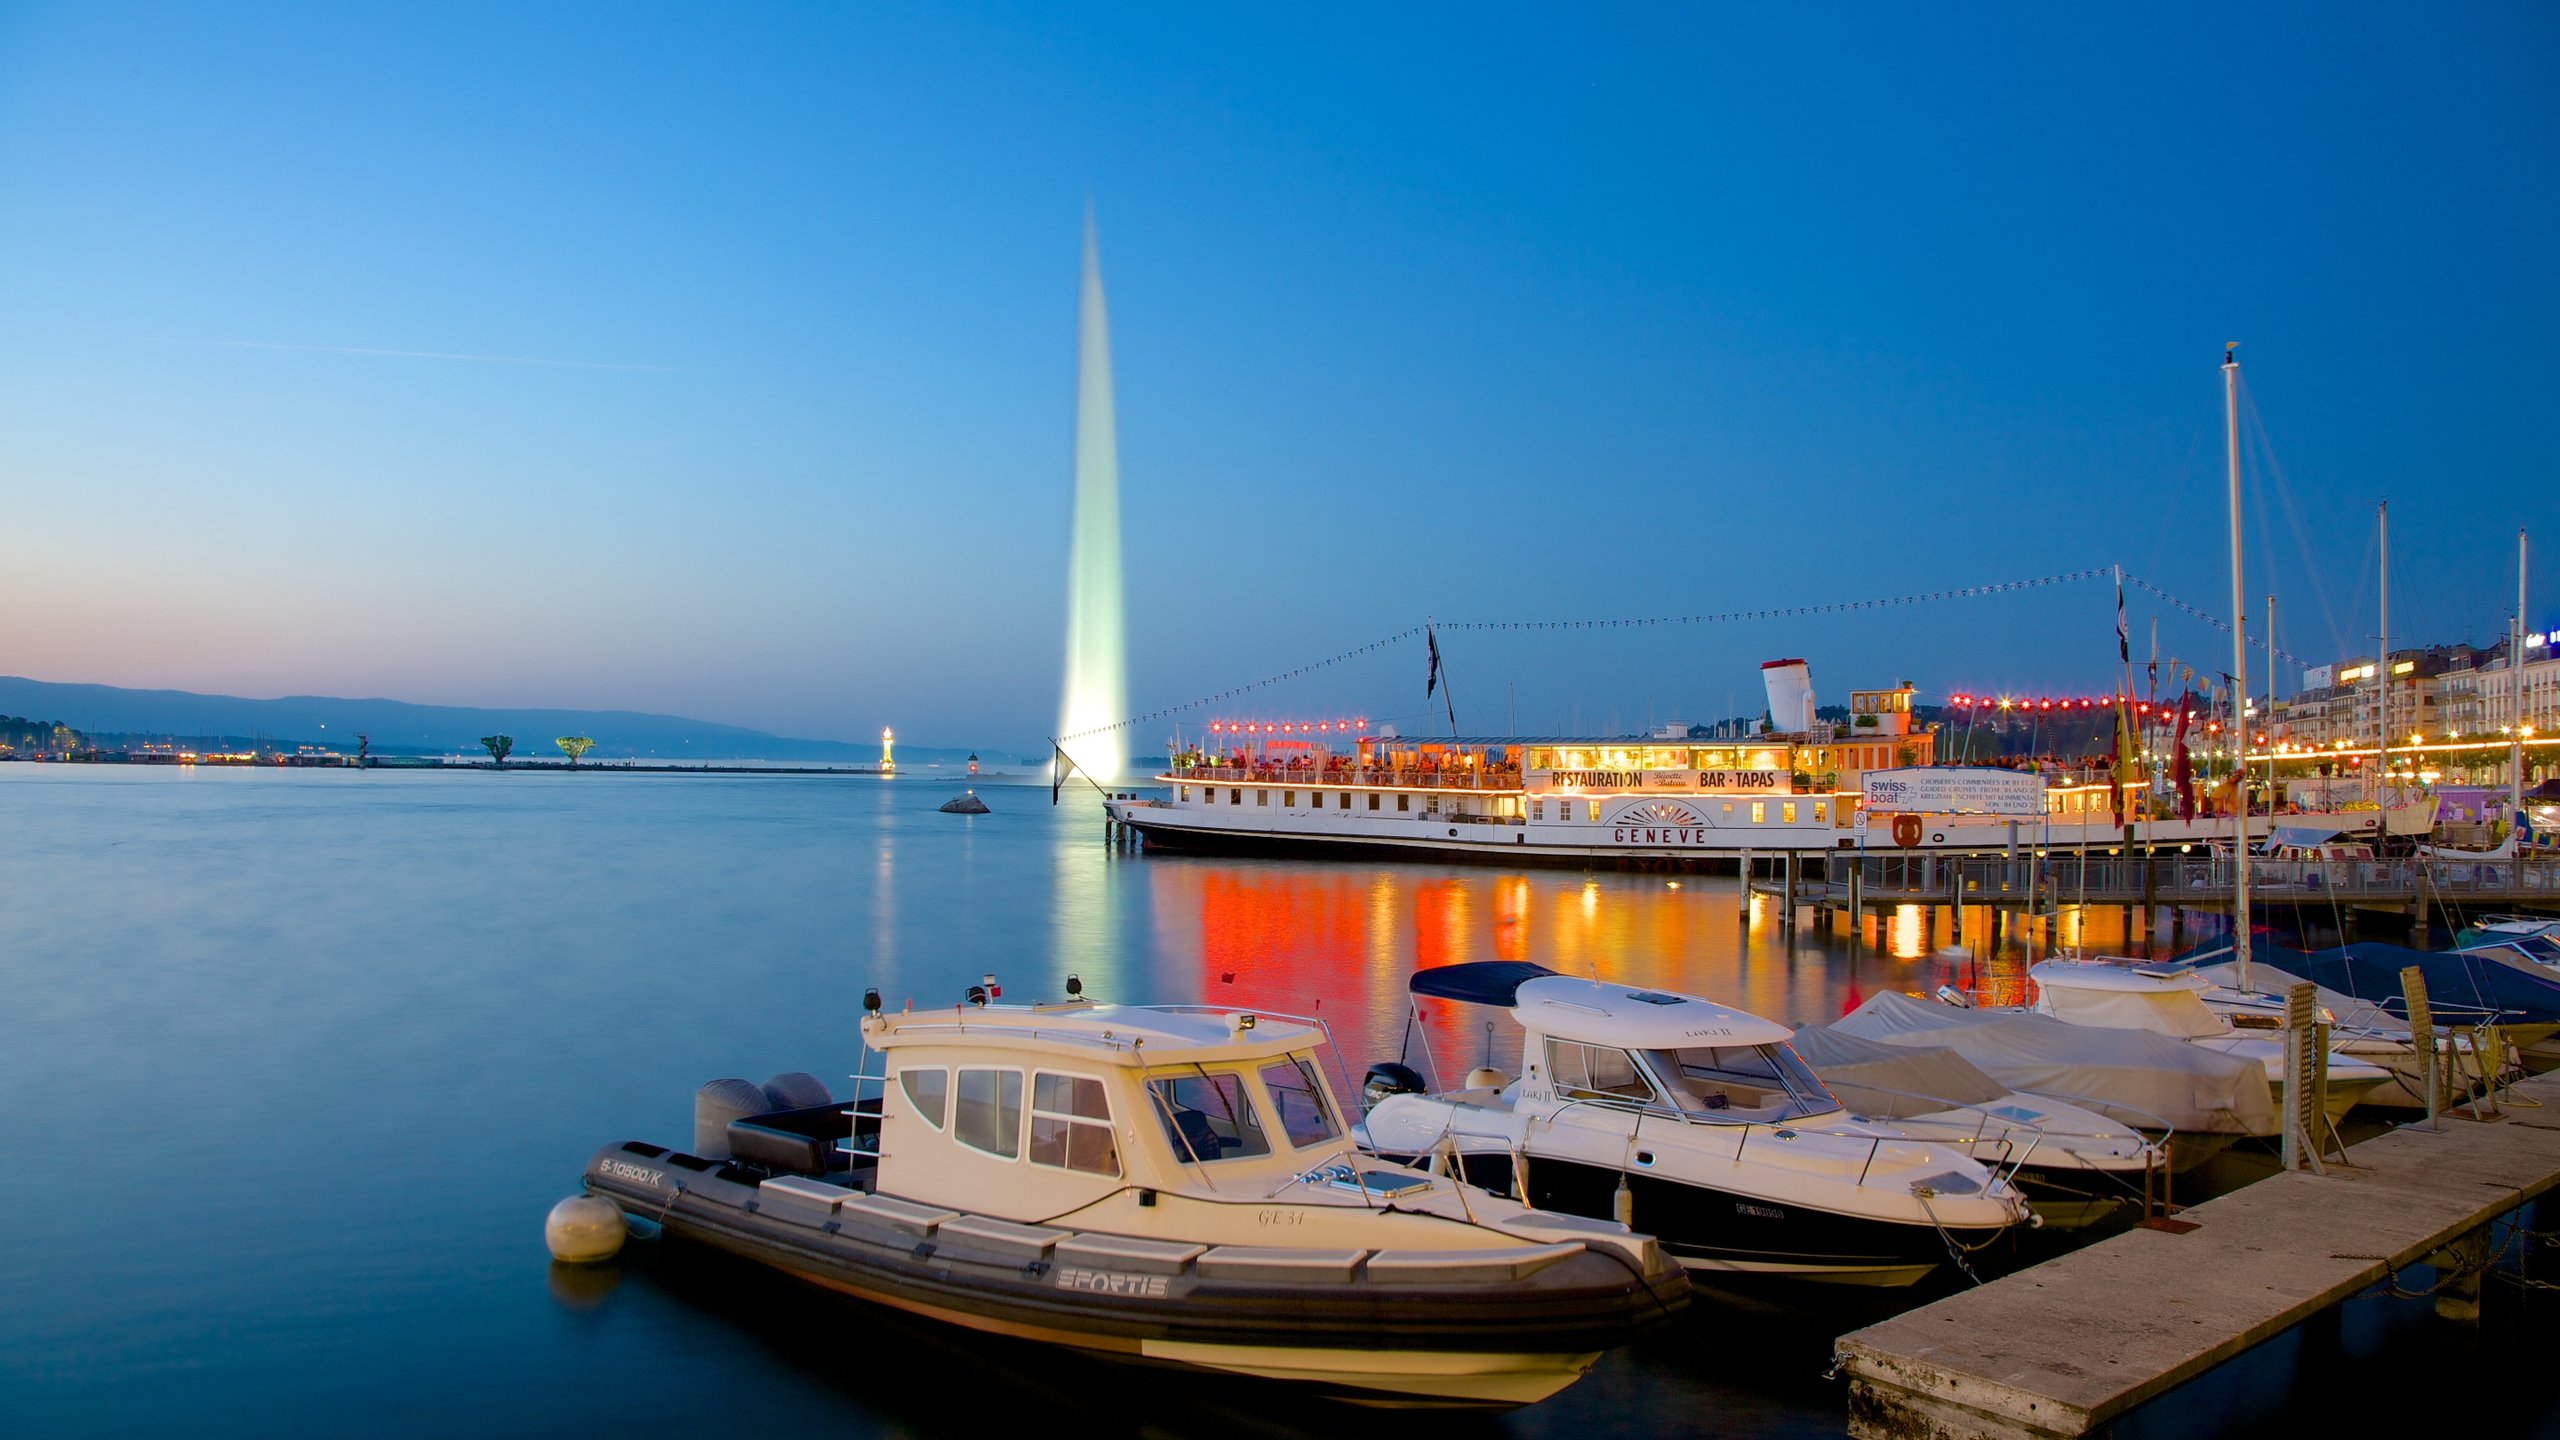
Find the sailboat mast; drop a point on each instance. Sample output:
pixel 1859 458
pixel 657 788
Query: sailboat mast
pixel 2382 672
pixel 2515 673
pixel 2239 665
pixel 2269 719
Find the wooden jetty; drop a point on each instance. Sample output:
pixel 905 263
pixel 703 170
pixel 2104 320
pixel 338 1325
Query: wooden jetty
pixel 2068 1347
pixel 1840 881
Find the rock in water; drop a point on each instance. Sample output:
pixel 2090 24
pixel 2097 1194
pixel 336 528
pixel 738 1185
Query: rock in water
pixel 964 803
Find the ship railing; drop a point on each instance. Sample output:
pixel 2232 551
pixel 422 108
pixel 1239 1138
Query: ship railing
pixel 1375 776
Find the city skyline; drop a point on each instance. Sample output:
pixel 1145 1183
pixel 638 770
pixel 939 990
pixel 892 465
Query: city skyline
pixel 468 360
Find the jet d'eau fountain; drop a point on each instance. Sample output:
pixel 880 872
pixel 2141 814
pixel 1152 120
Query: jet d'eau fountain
pixel 1096 682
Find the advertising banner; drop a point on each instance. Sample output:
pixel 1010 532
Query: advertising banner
pixel 1954 790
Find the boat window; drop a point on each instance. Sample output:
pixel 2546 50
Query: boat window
pixel 1537 809
pixel 1373 799
pixel 1595 812
pixel 1404 802
pixel 1298 1096
pixel 926 1090
pixel 1743 1082
pixel 1346 799
pixel 1759 811
pixel 989 1115
pixel 1207 1115
pixel 1235 797
pixel 1209 796
pixel 1261 797
pixel 1787 811
pixel 1071 1125
pixel 1593 1072
pixel 1186 794
pixel 1289 798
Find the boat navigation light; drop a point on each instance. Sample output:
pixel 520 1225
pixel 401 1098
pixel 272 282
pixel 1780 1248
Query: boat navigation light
pixel 871 1000
pixel 1075 987
pixel 1241 1021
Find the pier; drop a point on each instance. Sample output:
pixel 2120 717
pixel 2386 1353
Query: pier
pixel 2039 884
pixel 2068 1347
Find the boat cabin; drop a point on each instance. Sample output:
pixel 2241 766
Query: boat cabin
pixel 1034 1111
pixel 1591 1043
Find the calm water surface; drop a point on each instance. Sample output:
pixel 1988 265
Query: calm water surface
pixel 296 1062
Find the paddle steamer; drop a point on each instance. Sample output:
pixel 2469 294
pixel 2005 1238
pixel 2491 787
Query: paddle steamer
pixel 1667 801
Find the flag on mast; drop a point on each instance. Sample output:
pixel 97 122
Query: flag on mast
pixel 2124 637
pixel 1431 682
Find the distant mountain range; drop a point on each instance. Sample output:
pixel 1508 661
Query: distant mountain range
pixel 111 713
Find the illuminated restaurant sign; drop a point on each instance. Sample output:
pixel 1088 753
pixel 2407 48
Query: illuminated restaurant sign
pixel 1724 781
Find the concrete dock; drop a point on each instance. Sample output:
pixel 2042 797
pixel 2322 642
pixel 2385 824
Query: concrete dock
pixel 2067 1347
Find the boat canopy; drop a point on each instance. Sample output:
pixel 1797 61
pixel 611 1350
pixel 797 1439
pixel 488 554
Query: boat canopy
pixel 1893 1082
pixel 2301 837
pixel 1478 982
pixel 2131 1076
pixel 2094 992
pixel 1598 1013
pixel 2353 1016
pixel 2462 985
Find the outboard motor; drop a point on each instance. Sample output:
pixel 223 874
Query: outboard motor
pixel 718 1103
pixel 1950 995
pixel 1386 1078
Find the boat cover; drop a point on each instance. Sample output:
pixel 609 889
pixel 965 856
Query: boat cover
pixel 1893 1082
pixel 2354 1016
pixel 2131 1076
pixel 1478 982
pixel 2462 985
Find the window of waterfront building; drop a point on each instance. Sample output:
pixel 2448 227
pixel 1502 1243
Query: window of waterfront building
pixel 1595 812
pixel 1404 802
pixel 1071 1125
pixel 1759 811
pixel 1787 812
pixel 927 1090
pixel 1207 1116
pixel 989 1115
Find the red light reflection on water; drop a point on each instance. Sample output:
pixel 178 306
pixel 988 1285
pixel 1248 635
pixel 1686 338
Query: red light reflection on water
pixel 1339 942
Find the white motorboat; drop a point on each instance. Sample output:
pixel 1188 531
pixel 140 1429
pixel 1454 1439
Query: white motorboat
pixel 1173 1185
pixel 2128 995
pixel 1693 1121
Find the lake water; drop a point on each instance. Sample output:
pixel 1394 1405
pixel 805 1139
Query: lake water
pixel 296 1061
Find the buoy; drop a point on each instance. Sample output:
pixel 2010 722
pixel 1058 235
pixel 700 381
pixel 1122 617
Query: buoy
pixel 1623 1204
pixel 584 1229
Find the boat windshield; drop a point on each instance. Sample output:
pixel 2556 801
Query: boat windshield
pixel 1742 1083
pixel 1297 1094
pixel 1208 1115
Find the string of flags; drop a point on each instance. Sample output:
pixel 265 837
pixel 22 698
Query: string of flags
pixel 1726 617
pixel 2216 622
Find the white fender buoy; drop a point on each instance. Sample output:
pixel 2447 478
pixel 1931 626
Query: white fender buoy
pixel 584 1229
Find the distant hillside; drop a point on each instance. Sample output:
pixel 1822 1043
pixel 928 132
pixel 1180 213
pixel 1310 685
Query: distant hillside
pixel 398 727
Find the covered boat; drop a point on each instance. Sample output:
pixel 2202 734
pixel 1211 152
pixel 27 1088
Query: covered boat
pixel 2197 1100
pixel 1170 1185
pixel 1693 1121
pixel 2075 1166
pixel 2491 983
pixel 2169 1000
pixel 2358 1027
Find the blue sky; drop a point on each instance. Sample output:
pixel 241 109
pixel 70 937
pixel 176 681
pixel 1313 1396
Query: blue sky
pixel 1475 313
